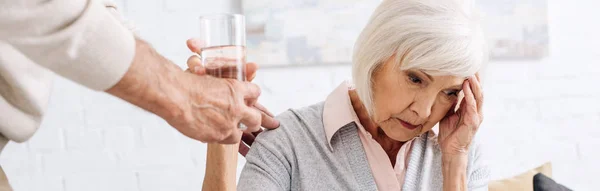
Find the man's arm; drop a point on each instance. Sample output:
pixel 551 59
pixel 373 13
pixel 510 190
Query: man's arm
pixel 24 102
pixel 77 39
pixel 80 40
pixel 204 108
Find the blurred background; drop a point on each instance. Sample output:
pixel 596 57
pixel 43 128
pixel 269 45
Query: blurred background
pixel 542 105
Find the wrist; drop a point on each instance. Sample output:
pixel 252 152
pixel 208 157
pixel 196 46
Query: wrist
pixel 148 81
pixel 454 171
pixel 453 163
pixel 452 158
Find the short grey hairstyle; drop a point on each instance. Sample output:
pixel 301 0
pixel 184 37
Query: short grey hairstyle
pixel 438 37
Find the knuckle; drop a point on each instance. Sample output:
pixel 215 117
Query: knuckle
pixel 236 111
pixel 258 90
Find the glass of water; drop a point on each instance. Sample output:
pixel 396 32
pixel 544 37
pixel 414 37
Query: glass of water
pixel 224 51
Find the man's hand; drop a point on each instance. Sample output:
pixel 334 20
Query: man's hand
pixel 195 66
pixel 204 108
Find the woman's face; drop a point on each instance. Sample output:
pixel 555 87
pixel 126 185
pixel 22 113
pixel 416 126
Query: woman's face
pixel 409 103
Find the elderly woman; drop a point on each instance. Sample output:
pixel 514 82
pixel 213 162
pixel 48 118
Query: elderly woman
pixel 413 63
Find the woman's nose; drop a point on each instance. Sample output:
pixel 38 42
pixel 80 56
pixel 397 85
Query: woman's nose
pixel 422 107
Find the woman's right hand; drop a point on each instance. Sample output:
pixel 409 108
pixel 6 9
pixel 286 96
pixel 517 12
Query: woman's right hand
pixel 195 66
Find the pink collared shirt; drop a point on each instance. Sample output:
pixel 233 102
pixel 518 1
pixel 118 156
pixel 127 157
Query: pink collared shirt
pixel 338 111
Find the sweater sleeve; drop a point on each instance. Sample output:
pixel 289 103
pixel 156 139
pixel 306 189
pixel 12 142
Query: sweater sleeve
pixel 479 170
pixel 77 39
pixel 267 166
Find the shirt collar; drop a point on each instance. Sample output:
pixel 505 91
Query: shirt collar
pixel 338 111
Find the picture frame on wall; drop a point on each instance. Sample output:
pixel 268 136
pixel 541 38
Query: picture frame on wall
pixel 323 32
pixel 515 29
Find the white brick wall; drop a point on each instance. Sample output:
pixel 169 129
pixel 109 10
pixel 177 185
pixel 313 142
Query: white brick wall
pixel 536 111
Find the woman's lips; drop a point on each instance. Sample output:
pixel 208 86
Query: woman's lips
pixel 408 125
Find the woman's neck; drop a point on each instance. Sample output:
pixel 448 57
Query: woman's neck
pixel 390 146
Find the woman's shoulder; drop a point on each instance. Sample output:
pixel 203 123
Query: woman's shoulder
pixel 298 120
pixel 311 115
pixel 297 126
pixel 272 158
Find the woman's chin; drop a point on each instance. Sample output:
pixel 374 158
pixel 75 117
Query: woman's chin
pixel 401 134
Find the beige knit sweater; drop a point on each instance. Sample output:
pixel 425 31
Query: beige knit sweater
pixel 85 41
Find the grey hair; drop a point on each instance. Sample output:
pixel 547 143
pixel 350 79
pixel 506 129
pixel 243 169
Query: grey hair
pixel 438 37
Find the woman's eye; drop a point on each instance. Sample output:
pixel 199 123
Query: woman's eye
pixel 452 93
pixel 415 79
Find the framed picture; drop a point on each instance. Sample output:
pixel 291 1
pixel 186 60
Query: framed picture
pixel 323 32
pixel 516 29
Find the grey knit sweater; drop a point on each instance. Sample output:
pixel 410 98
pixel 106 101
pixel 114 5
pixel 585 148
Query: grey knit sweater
pixel 296 157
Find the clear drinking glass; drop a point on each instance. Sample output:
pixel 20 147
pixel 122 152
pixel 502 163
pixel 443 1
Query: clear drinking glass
pixel 224 52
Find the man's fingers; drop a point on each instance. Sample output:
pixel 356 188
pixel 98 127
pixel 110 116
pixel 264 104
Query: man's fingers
pixel 269 122
pixel 193 61
pixel 195 65
pixel 257 132
pixel 251 69
pixel 263 109
pixel 251 91
pixel 195 45
pixel 251 118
